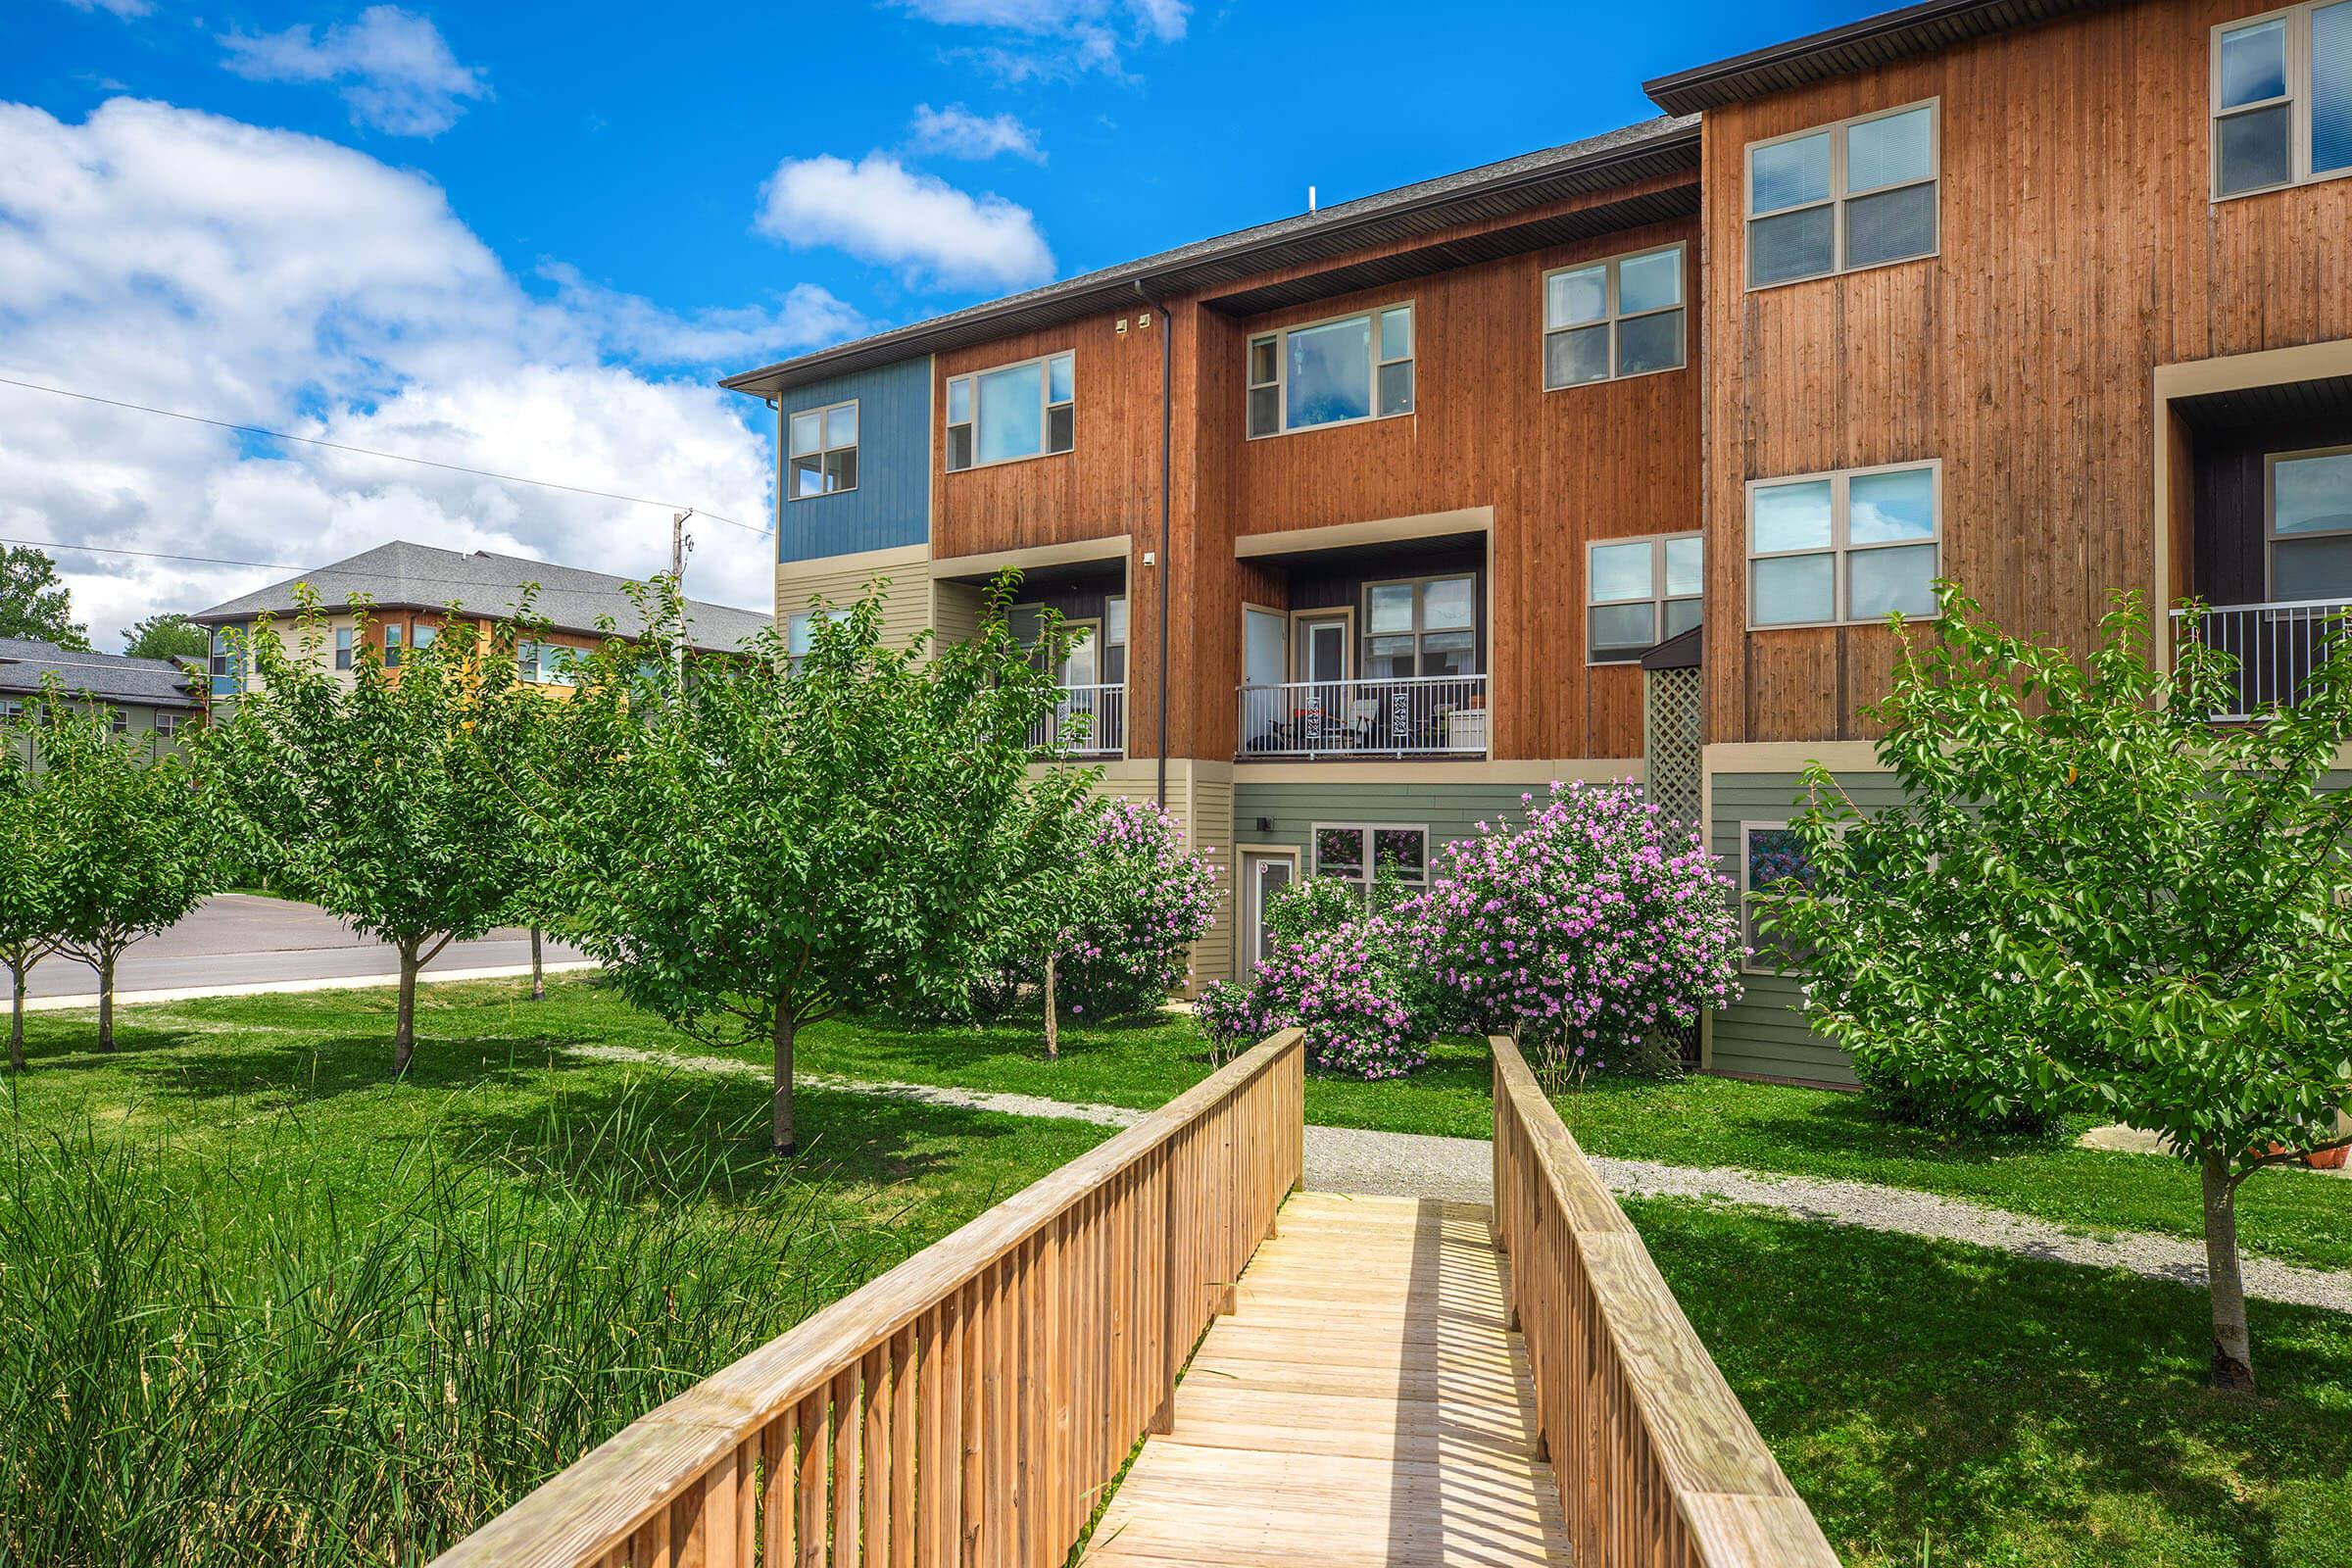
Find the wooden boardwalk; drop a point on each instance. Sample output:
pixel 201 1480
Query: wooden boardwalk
pixel 1364 1403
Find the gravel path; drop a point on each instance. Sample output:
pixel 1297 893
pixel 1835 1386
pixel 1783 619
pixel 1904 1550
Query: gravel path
pixel 1347 1159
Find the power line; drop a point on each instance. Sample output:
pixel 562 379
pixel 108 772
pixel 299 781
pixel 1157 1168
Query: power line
pixel 154 555
pixel 369 452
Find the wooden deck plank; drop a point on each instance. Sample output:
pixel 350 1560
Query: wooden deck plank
pixel 1363 1407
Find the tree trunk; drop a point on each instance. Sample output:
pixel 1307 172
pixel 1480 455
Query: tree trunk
pixel 106 1003
pixel 1053 1014
pixel 403 1030
pixel 2233 1349
pixel 15 1019
pixel 538 972
pixel 784 1140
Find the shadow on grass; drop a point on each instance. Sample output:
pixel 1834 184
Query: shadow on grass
pixel 2007 1409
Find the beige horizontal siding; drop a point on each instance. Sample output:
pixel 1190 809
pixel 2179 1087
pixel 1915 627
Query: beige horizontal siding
pixel 843 580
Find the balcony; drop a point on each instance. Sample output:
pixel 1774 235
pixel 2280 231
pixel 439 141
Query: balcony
pixel 2277 647
pixel 1423 716
pixel 1087 721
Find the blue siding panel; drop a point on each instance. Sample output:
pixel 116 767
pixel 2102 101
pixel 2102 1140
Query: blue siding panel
pixel 891 507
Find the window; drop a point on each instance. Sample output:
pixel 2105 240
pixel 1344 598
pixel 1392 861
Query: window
pixel 10 712
pixel 342 647
pixel 1332 373
pixel 1843 548
pixel 166 725
pixel 1859 193
pixel 1425 626
pixel 393 637
pixel 799 633
pixel 2308 500
pixel 1343 852
pixel 824 451
pixel 1609 319
pixel 225 668
pixel 1639 592
pixel 546 663
pixel 117 721
pixel 421 635
pixel 1770 857
pixel 1013 411
pixel 2281 94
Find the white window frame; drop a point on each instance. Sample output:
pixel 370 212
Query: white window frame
pixel 1612 317
pixel 2270 512
pixel 166 725
pixel 396 641
pixel 824 416
pixel 1375 362
pixel 1839 195
pixel 792 660
pixel 1368 848
pixel 347 640
pixel 1045 414
pixel 1840 548
pixel 2297 98
pixel 1658 598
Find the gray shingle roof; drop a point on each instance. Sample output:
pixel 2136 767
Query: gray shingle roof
pixel 405 575
pixel 105 677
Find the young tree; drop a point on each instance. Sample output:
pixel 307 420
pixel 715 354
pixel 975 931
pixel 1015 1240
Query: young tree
pixel 34 602
pixel 758 847
pixel 132 840
pixel 166 636
pixel 369 795
pixel 2095 900
pixel 30 924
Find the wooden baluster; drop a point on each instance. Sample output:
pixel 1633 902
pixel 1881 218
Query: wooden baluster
pixel 846 1484
pixel 875 1378
pixel 903 1390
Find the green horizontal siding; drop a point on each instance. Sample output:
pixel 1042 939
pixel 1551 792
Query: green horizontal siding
pixel 1450 811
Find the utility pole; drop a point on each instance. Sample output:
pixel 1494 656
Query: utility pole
pixel 678 545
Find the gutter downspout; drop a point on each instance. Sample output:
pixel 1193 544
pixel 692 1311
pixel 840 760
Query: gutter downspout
pixel 1166 469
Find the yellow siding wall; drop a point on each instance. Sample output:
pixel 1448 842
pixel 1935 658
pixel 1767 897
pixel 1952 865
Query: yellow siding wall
pixel 843 579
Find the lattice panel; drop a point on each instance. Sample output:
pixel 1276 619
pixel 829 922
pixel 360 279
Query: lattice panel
pixel 1670 726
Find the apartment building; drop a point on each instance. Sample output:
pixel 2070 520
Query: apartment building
pixel 152 700
pixel 1610 460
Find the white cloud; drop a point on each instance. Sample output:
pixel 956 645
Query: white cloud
pixel 879 211
pixel 397 71
pixel 178 259
pixel 125 9
pixel 957 133
pixel 1059 39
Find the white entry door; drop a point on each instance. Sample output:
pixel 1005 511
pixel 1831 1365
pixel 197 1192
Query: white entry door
pixel 1263 875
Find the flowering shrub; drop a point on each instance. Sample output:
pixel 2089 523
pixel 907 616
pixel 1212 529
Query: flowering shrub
pixel 1345 985
pixel 1138 901
pixel 1583 931
pixel 1311 907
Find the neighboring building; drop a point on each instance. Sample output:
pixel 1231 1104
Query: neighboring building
pixel 409 590
pixel 153 698
pixel 1438 486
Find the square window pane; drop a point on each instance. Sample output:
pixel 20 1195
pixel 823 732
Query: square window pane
pixel 1884 506
pixel 1793 590
pixel 841 426
pixel 1391 607
pixel 1402 850
pixel 1571 299
pixel 1686 560
pixel 1263 410
pixel 1012 413
pixel 1788 173
pixel 1649 343
pixel 1791 246
pixel 1396 333
pixel 1621 571
pixel 1447 603
pixel 1330 373
pixel 1879 582
pixel 841 469
pixel 2311 494
pixel 2331 88
pixel 2252 149
pixel 799 629
pixel 1622 626
pixel 1061 429
pixel 1396 388
pixel 1571 359
pixel 1339 851
pixel 2253 63
pixel 1788 516
pixel 808 475
pixel 807 432
pixel 960 401
pixel 1390 658
pixel 1891 225
pixel 1448 653
pixel 1261 362
pixel 2311 568
pixel 1649 282
pixel 1890 150
pixel 1681 615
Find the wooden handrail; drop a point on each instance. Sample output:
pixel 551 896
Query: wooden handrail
pixel 1656 1460
pixel 970 1405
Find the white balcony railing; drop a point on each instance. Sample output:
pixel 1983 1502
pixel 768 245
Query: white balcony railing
pixel 1102 732
pixel 2277 647
pixel 1423 716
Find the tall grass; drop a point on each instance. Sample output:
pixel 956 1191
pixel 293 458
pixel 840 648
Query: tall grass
pixel 186 1379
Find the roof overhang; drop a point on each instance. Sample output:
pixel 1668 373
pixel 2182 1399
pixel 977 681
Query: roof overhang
pixel 1857 46
pixel 1426 525
pixel 1037 558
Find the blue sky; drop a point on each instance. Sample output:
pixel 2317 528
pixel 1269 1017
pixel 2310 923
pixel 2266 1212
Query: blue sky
pixel 533 234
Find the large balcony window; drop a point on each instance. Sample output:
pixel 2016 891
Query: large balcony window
pixel 1013 411
pixel 1332 373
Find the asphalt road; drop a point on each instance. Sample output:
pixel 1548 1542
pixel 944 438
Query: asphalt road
pixel 234 938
